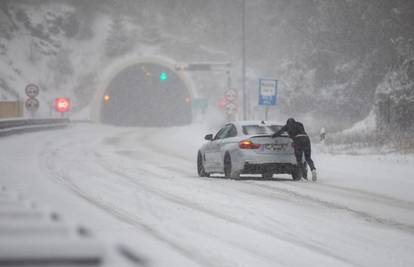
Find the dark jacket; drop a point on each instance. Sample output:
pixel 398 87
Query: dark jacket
pixel 293 128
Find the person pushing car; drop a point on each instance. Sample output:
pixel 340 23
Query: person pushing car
pixel 301 143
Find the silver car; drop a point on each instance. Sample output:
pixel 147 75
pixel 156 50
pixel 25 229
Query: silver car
pixel 247 147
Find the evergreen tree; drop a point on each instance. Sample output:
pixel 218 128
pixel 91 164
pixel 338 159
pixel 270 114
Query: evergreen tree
pixel 119 40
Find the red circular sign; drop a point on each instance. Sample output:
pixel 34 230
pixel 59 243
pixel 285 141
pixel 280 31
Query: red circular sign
pixel 62 104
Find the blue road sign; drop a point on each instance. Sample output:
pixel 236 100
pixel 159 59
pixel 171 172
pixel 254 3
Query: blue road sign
pixel 267 92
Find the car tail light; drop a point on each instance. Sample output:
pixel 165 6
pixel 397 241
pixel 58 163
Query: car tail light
pixel 248 144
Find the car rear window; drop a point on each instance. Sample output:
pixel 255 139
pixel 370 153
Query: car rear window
pixel 260 129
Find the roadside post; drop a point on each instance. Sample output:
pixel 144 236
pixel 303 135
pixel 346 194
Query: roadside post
pixel 267 94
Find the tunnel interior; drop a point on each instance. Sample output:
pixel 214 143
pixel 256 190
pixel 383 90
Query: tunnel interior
pixel 146 94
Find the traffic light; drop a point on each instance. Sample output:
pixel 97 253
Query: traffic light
pixel 163 76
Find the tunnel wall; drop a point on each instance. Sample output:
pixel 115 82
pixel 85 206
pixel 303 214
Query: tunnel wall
pixel 108 74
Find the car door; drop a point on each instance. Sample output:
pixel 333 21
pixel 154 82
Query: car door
pixel 211 152
pixel 225 144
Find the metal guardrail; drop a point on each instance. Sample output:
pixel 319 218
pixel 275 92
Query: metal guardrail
pixel 15 126
pixel 31 236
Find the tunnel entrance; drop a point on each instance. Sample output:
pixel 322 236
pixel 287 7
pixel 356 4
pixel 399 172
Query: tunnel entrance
pixel 146 94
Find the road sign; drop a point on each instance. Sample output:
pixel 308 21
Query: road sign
pixel 32 104
pixel 267 92
pixel 231 108
pixel 62 104
pixel 230 95
pixel 32 90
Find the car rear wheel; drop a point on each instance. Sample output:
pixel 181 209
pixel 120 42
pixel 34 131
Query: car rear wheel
pixel 200 166
pixel 228 169
pixel 296 173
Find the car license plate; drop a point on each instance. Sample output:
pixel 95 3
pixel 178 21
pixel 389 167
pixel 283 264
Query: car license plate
pixel 274 147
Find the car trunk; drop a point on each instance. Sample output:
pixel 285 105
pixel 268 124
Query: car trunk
pixel 268 144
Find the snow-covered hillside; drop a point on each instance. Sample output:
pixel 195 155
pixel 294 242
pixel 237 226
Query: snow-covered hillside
pixel 64 49
pixel 43 44
pixel 328 71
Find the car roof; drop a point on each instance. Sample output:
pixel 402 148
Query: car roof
pixel 255 122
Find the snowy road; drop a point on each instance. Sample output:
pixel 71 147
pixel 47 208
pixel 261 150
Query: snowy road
pixel 139 187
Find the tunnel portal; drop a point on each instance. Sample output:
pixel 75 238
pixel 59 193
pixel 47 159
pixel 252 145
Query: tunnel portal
pixel 146 94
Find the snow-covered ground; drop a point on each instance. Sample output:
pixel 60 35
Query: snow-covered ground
pixel 138 187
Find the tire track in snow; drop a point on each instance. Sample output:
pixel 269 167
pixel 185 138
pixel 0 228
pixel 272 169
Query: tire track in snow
pixel 127 217
pixel 407 228
pixel 332 205
pixel 197 207
pixel 115 211
pixel 376 198
pixel 388 200
pixel 186 202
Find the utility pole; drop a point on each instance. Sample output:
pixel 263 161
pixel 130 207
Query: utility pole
pixel 244 59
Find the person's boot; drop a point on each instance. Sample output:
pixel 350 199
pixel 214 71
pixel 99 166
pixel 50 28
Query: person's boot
pixel 314 176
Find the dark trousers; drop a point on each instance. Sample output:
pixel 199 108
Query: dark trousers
pixel 302 145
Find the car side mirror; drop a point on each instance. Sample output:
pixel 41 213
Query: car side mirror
pixel 208 137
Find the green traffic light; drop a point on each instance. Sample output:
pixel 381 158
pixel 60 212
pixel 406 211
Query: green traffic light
pixel 163 76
